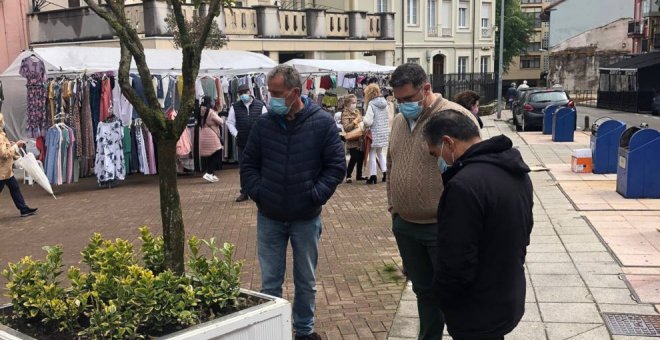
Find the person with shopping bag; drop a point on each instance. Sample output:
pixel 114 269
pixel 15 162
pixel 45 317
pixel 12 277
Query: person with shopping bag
pixel 9 152
pixel 351 120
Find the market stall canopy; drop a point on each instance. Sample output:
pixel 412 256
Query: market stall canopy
pixel 345 66
pixel 74 60
pixel 71 59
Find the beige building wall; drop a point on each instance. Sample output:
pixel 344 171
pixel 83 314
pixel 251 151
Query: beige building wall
pixel 524 67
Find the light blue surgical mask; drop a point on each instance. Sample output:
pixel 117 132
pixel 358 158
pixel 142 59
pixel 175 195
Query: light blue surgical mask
pixel 277 106
pixel 245 98
pixel 411 110
pixel 442 164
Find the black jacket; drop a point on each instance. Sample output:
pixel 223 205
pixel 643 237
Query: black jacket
pixel 245 119
pixel 291 169
pixel 484 223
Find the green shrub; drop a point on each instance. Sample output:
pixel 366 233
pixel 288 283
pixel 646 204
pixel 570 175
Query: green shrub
pixel 118 298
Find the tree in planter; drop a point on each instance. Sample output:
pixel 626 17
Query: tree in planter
pixel 192 39
pixel 518 30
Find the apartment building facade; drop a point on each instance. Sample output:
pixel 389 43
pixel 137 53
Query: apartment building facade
pixel 644 29
pixel 533 64
pixel 282 30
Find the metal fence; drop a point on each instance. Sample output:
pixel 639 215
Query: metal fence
pixel 588 98
pixel 485 84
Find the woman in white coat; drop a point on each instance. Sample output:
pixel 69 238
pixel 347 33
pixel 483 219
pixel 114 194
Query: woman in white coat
pixel 376 118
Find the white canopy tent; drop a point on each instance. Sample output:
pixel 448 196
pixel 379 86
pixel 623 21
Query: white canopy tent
pixel 307 66
pixel 76 60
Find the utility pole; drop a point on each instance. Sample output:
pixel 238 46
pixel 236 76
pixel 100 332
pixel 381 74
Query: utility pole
pixel 501 66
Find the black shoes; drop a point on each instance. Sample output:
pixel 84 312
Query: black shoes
pixel 349 180
pixel 242 198
pixel 28 212
pixel 372 179
pixel 362 178
pixel 385 176
pixel 313 336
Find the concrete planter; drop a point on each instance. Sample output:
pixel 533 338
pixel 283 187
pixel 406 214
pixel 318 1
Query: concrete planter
pixel 269 320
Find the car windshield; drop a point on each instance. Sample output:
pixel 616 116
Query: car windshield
pixel 546 97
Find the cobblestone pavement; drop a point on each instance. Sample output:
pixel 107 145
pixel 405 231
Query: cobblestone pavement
pixel 357 293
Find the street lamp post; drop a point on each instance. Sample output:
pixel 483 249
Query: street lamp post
pixel 501 64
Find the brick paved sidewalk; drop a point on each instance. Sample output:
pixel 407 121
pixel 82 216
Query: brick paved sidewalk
pixel 357 294
pixel 572 275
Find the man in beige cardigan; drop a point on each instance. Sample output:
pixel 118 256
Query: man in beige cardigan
pixel 414 187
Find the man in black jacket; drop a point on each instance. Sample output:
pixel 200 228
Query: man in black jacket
pixel 484 223
pixel 242 115
pixel 292 164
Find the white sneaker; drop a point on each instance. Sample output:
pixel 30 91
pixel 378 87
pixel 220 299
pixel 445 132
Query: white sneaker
pixel 208 177
pixel 215 178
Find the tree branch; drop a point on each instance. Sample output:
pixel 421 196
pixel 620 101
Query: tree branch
pixel 208 22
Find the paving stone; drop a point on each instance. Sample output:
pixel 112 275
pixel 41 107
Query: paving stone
pixel 528 331
pixel 555 268
pixel 627 309
pixel 598 268
pixel 547 257
pixel 585 247
pixel 603 281
pixel 531 312
pixel 563 294
pixel 407 308
pixel 405 328
pixel 613 295
pixel 569 312
pixel 596 333
pixel 546 248
pixel 598 256
pixel 561 331
pixel 580 239
pixel 544 239
pixel 557 280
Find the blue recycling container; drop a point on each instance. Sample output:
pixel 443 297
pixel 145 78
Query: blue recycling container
pixel 563 125
pixel 605 138
pixel 547 118
pixel 638 164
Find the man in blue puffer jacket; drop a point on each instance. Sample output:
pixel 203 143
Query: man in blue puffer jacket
pixel 292 164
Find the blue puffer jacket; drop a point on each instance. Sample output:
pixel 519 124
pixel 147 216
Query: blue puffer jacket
pixel 291 169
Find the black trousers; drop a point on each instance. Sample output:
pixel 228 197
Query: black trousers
pixel 357 159
pixel 15 193
pixel 213 162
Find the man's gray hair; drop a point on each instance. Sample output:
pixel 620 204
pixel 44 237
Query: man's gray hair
pixel 291 76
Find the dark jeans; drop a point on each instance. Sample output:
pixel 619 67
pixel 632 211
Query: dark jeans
pixel 495 338
pixel 418 248
pixel 357 158
pixel 240 161
pixel 213 162
pixel 15 193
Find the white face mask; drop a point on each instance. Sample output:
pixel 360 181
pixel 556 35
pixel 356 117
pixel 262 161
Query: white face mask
pixel 352 106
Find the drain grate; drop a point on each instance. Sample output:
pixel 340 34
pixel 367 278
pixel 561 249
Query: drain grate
pixel 632 324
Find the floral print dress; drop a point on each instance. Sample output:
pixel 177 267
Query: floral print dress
pixel 110 152
pixel 34 71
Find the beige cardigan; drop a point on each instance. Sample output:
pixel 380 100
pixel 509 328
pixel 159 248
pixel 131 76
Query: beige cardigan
pixel 414 183
pixel 8 153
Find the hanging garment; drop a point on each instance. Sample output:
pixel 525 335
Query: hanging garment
pixel 126 143
pixel 95 103
pixel 87 131
pixel 34 71
pixel 110 153
pixel 106 99
pixel 52 151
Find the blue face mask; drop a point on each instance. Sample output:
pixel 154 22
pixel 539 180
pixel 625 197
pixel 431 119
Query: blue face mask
pixel 411 110
pixel 277 106
pixel 245 98
pixel 442 164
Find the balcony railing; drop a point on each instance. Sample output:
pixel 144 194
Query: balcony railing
pixel 240 21
pixel 374 25
pixel 337 25
pixel 439 31
pixel 266 22
pixel 292 24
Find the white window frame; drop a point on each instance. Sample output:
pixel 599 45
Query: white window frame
pixel 412 12
pixel 432 13
pixel 483 65
pixel 462 65
pixel 464 6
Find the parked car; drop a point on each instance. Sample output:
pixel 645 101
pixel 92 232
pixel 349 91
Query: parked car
pixel 655 105
pixel 528 114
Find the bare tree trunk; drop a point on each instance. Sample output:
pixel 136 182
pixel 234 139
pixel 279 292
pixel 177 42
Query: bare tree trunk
pixel 170 205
